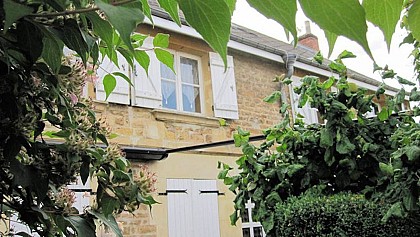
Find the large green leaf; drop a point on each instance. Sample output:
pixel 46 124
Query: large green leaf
pixel 414 19
pixel 143 59
pixel 109 84
pixel 331 38
pixel 165 57
pixel 171 7
pixel 146 9
pixel 212 20
pixel 384 14
pixel 123 19
pixel 14 11
pixel 284 12
pixel 74 39
pixel 161 40
pixel 108 221
pixel 102 28
pixel 341 17
pixel 30 39
pixel 52 53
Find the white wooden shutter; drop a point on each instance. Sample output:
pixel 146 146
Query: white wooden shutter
pixel 147 87
pixel 194 212
pixel 310 114
pixel 121 93
pixel 205 208
pixel 225 101
pixel 180 208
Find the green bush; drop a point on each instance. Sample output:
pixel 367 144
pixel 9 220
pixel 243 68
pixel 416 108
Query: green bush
pixel 339 215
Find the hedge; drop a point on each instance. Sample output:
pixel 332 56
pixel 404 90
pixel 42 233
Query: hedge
pixel 340 215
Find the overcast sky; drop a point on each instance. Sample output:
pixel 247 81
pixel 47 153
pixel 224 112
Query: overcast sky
pixel 397 59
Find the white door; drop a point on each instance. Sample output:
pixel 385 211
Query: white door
pixel 192 208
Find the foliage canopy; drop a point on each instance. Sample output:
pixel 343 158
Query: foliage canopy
pixel 39 86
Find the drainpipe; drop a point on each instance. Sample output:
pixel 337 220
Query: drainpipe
pixel 289 60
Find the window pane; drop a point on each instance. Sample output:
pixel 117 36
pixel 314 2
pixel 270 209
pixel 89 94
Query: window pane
pixel 258 232
pixel 245 217
pixel 189 70
pixel 166 72
pixel 168 94
pixel 246 232
pixel 191 98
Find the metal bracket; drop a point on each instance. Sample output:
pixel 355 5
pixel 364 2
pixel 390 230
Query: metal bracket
pixel 172 191
pixel 211 191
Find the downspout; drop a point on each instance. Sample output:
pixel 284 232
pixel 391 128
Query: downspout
pixel 289 61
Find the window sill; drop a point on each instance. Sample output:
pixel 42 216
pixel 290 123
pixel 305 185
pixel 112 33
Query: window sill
pixel 182 117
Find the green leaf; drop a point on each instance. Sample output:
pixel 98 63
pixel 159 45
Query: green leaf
pixel 14 11
pixel 123 19
pixel 385 15
pixel 161 40
pixel 165 57
pixel 108 221
pixel 414 19
pixel 102 28
pixel 341 17
pixel 30 38
pixel 327 138
pixel 284 12
pixel 384 114
pixel 83 227
pixel 212 20
pixel 344 146
pixel 328 83
pixel 346 54
pixel 222 122
pixel 84 172
pixel 171 7
pixel 412 152
pixel 318 58
pixel 405 81
pixel 386 169
pixel 394 210
pixel 274 97
pixel 143 59
pixel 109 84
pixel 331 38
pixel 73 38
pixel 122 75
pixel 146 9
pixel 52 53
pixel 233 218
pixel 109 204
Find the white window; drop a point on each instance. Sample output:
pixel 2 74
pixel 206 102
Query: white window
pixel 162 88
pixel 183 90
pixel 310 115
pixel 250 228
pixel 192 208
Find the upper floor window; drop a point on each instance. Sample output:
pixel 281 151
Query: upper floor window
pixel 182 91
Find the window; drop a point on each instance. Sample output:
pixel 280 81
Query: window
pixel 192 208
pixel 162 88
pixel 182 91
pixel 249 227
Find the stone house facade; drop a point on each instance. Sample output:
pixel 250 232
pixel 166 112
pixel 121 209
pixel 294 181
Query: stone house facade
pixel 166 111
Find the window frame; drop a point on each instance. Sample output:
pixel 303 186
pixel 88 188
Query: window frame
pixel 178 81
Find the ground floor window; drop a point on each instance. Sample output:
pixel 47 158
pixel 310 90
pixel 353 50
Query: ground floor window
pixel 250 228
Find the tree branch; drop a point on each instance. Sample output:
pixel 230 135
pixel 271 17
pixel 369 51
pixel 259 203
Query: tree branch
pixel 78 11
